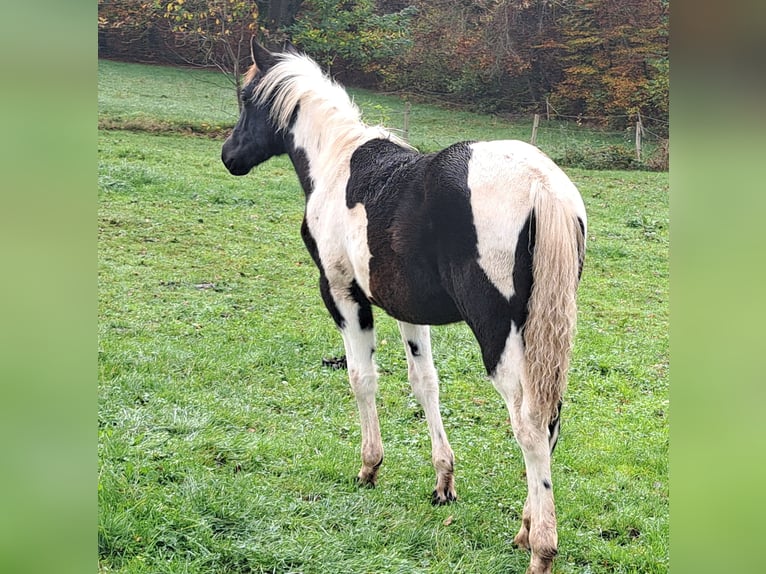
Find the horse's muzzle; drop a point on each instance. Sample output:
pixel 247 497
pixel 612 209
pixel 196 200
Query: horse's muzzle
pixel 229 159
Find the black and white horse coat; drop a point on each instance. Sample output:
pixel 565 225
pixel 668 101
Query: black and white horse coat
pixel 490 233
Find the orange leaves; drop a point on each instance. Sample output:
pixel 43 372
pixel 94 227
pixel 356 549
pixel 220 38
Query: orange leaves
pixel 606 49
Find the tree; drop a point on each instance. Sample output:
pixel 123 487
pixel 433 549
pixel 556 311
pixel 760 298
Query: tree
pixel 220 30
pixel 588 57
pixel 278 14
pixel 614 54
pixel 133 29
pixel 351 32
pixel 490 52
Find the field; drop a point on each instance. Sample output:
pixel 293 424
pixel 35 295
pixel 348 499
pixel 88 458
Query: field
pixel 224 444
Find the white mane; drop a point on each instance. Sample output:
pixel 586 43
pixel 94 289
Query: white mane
pixel 329 127
pixel 297 80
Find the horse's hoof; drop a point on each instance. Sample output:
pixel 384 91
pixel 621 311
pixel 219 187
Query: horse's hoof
pixel 364 482
pixel 335 362
pixel 367 478
pixel 368 475
pixel 444 497
pixel 542 564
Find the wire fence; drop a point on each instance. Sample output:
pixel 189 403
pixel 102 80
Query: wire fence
pixel 579 140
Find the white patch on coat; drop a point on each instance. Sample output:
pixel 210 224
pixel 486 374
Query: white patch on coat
pixel 324 215
pixel 341 238
pixel 502 177
pixel 357 247
pixel 511 372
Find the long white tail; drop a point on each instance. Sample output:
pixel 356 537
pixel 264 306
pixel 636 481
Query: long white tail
pixel 550 325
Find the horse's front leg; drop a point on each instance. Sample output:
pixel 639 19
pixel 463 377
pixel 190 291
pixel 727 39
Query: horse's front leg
pixel 425 385
pixel 353 315
pixel 362 374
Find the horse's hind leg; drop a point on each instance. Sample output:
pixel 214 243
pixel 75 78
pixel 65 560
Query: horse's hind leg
pixel 425 385
pixel 531 430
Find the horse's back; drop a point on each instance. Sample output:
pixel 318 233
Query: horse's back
pixel 432 221
pixel 386 207
pixel 499 174
pixel 505 173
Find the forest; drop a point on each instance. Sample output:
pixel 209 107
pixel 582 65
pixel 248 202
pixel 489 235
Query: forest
pixel 600 62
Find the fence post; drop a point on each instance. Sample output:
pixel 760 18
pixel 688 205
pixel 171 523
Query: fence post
pixel 639 133
pixel 406 127
pixel 547 109
pixel 535 123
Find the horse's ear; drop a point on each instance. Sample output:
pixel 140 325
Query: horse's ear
pixel 289 47
pixel 262 58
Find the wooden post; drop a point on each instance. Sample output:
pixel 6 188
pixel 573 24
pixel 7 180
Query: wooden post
pixel 535 123
pixel 406 127
pixel 639 133
pixel 547 109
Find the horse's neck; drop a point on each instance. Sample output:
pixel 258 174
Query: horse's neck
pixel 321 154
pixel 302 168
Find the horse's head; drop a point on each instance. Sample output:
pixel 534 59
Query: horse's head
pixel 254 138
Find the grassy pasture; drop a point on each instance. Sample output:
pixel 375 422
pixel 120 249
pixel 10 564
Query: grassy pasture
pixel 225 446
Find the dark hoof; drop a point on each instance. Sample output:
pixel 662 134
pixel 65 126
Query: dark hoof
pixel 367 476
pixel 364 483
pixel 335 362
pixel 443 497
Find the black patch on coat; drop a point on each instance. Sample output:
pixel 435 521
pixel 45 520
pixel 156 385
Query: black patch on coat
pixel 522 272
pixel 414 349
pixel 424 258
pixel 581 254
pixel 300 163
pixel 486 310
pixel 546 484
pixel 554 427
pixel 365 309
pixel 354 291
pixel 324 284
pixel 403 235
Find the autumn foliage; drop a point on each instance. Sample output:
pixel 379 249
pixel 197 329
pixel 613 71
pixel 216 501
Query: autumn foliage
pixel 594 60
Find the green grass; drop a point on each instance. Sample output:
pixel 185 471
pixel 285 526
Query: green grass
pixel 162 98
pixel 225 446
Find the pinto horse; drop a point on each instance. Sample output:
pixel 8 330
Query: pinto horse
pixel 491 233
